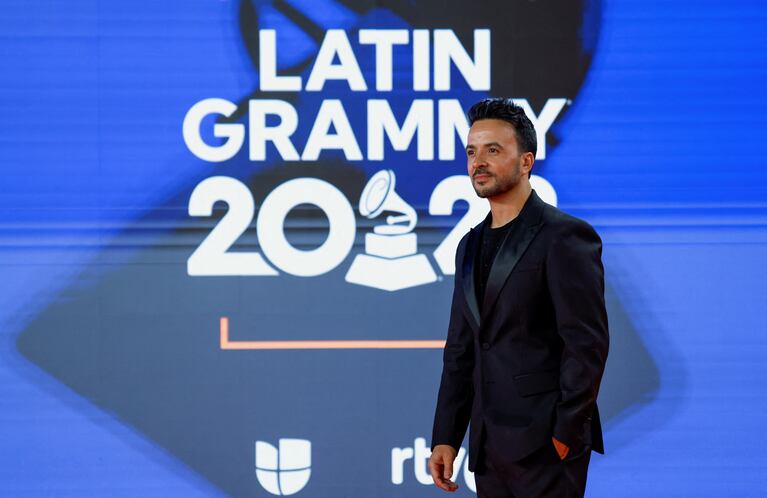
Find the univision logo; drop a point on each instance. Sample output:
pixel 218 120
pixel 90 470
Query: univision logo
pixel 285 471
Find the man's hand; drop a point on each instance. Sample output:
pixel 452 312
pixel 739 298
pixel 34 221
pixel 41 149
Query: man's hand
pixel 561 448
pixel 441 466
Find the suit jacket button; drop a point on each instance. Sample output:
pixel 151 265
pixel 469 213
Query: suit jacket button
pixel 485 346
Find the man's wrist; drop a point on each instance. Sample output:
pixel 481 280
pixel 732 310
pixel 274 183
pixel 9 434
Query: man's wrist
pixel 434 445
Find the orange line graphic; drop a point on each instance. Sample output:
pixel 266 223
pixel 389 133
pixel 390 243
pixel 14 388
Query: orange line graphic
pixel 370 344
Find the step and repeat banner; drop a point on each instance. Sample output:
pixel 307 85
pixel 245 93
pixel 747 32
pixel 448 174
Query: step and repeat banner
pixel 229 231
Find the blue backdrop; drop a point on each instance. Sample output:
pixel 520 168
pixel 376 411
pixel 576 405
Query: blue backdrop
pixel 115 378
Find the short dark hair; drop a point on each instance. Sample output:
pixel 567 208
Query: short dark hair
pixel 506 110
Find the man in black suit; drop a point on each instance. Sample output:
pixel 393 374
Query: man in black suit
pixel 527 340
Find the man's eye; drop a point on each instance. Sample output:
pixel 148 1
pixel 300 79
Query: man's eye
pixel 493 150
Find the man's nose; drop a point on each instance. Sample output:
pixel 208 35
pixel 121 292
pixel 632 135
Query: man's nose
pixel 478 161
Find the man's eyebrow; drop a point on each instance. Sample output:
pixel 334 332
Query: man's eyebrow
pixel 489 144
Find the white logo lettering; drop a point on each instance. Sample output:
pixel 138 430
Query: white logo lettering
pixel 420 454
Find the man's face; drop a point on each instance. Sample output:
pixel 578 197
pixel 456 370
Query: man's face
pixel 493 158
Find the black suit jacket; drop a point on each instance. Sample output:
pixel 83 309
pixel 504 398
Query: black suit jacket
pixel 528 366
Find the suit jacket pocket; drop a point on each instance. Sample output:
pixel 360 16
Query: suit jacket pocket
pixel 536 382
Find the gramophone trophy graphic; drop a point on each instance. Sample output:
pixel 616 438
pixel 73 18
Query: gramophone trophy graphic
pixel 391 261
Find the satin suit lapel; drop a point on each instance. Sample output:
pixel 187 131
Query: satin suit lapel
pixel 512 248
pixel 469 289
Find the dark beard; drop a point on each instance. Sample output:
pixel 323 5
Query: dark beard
pixel 501 185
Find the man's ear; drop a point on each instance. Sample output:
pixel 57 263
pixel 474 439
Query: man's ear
pixel 528 159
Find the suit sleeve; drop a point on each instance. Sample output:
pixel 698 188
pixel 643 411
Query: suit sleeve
pixel 575 278
pixel 456 391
